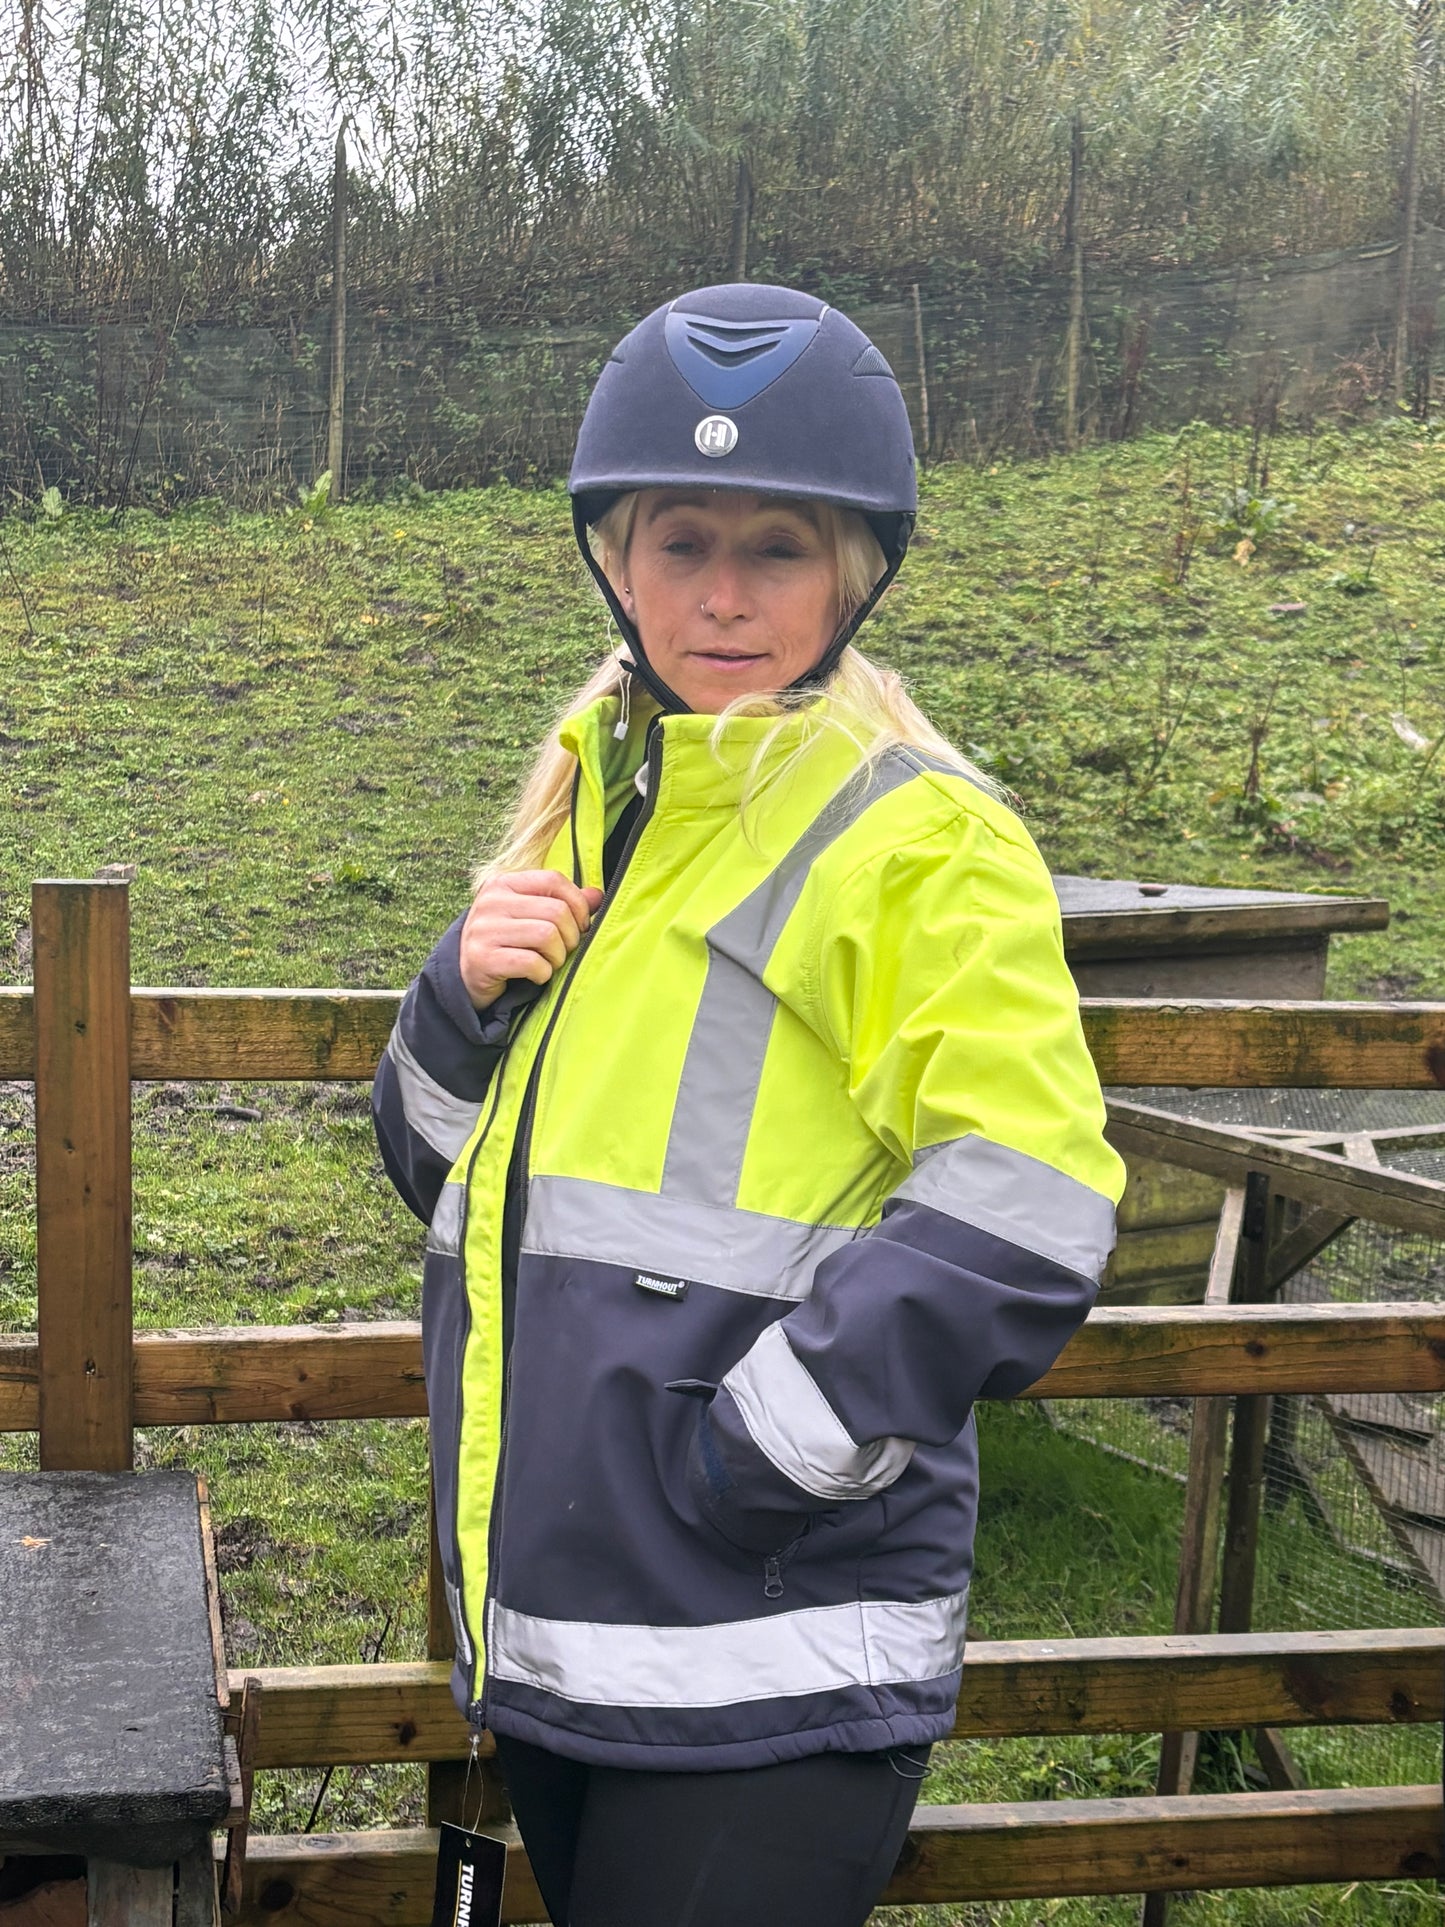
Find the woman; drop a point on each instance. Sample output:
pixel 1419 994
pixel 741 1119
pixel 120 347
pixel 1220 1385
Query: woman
pixel 751 1115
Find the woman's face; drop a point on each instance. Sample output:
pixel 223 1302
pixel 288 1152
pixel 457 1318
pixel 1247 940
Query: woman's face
pixel 732 593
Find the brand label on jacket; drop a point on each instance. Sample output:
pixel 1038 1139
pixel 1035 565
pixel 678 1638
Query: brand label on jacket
pixel 664 1287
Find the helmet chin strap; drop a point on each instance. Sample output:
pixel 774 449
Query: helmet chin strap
pixel 668 698
pixel 641 668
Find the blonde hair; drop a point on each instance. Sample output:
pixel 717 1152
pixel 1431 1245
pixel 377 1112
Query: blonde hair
pixel 866 702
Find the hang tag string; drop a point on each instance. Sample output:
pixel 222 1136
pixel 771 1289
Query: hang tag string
pixel 474 1764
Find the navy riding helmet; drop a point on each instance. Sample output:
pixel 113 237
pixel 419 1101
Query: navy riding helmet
pixel 746 386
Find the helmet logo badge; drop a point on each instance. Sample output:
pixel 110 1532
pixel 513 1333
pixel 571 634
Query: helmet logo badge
pixel 716 435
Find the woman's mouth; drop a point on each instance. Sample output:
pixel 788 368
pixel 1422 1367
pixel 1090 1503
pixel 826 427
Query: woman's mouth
pixel 718 659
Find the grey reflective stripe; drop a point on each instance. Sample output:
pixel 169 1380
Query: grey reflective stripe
pixel 446 1122
pixel 1015 1197
pixel 708 1244
pixel 723 1068
pixel 794 1426
pixel 821 1649
pixel 445 1232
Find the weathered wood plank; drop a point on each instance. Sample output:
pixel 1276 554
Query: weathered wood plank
pixel 1301 1246
pixel 357 1715
pixel 1233 1045
pixel 197 1901
pixel 382 1879
pixel 1161 1253
pixel 119 1896
pixel 229 1375
pixel 17 1032
pixel 1199 1538
pixel 1017 1852
pixel 1162 1194
pixel 1195 1351
pixel 1167 1844
pixel 1160 927
pixel 1384 1412
pixel 339 1034
pixel 265 1373
pixel 82 1174
pixel 1395 1198
pixel 262 1034
pixel 361 1715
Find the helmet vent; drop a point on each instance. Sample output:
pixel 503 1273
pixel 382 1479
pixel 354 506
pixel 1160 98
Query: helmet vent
pixel 727 363
pixel 731 347
pixel 870 362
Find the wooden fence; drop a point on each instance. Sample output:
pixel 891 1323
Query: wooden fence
pixel 85 1380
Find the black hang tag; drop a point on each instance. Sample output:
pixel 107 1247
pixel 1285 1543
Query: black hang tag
pixel 674 1288
pixel 470 1870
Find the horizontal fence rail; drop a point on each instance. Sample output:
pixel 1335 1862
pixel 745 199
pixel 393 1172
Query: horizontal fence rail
pixel 283 1035
pixel 1015 1852
pixel 253 1374
pixel 360 1715
pixel 1178 1685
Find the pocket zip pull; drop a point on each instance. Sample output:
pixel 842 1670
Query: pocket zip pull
pixel 772 1577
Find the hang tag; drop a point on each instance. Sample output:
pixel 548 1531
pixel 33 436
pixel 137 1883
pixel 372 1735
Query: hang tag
pixel 471 1868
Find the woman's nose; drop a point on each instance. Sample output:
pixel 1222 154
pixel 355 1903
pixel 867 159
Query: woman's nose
pixel 726 598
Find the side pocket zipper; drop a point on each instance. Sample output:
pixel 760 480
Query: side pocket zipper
pixel 775 1562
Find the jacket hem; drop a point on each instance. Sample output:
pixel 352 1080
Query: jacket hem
pixel 875 1735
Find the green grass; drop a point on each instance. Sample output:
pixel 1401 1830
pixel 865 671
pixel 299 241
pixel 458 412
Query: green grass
pixel 303 734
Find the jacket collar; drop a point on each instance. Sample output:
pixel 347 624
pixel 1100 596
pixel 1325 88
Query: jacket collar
pixel 698 772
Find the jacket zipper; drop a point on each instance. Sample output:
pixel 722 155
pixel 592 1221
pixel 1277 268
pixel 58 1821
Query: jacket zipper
pixel 458 1594
pixel 521 1153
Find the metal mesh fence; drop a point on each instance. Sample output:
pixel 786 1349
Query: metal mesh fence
pixel 121 412
pixel 1352 1532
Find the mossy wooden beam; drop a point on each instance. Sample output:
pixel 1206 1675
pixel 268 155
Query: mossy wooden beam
pixel 1399 1199
pixel 1021 1851
pixel 315 1716
pixel 254 1374
pixel 339 1034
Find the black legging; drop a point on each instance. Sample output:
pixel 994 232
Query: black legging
pixel 811 1843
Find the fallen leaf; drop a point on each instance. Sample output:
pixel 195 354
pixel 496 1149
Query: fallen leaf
pixel 1243 551
pixel 30 1544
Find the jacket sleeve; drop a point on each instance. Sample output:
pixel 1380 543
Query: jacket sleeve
pixel 943 986
pixel 435 1072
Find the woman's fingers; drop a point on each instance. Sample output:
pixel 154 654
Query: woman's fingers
pixel 551 883
pixel 522 925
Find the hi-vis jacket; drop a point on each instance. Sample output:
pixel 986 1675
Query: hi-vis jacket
pixel 799 1156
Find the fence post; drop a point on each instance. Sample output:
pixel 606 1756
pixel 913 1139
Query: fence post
pixel 336 404
pixel 1251 1426
pixel 1199 1543
pixel 1074 350
pixel 925 427
pixel 739 239
pixel 81 934
pixel 1409 221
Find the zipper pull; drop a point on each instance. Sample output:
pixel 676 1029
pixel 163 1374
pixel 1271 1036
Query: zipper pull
pixel 772 1577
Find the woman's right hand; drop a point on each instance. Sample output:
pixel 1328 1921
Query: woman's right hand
pixel 522 925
